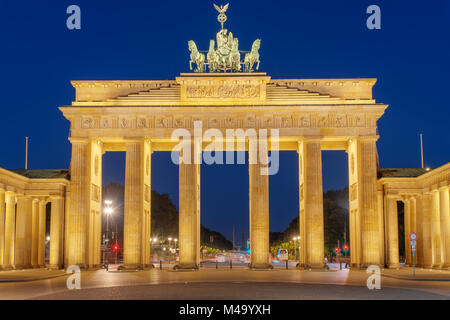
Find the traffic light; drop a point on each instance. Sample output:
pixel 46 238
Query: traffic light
pixel 337 249
pixel 115 247
pixel 345 247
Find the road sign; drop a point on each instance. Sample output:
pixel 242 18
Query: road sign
pixel 413 243
pixel 412 236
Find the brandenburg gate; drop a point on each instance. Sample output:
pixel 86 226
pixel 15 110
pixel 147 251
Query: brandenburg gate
pixel 225 94
pixel 139 117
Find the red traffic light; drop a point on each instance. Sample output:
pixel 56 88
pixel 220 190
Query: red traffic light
pixel 337 249
pixel 115 247
pixel 346 247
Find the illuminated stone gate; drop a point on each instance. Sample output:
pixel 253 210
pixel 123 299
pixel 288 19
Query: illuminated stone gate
pixel 139 117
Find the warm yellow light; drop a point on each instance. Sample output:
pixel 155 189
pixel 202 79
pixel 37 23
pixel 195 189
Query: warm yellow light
pixel 170 238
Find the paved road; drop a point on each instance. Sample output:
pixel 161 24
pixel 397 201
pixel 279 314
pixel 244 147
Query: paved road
pixel 226 284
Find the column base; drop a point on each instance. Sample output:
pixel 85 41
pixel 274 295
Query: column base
pixel 149 266
pixel 393 266
pixel 317 267
pixel 131 267
pixel 54 267
pixel 260 266
pixel 186 266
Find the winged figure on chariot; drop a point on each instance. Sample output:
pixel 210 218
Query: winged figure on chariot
pixel 226 56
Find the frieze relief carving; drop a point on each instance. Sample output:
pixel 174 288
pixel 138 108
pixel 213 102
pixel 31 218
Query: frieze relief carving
pixel 87 123
pixel 124 123
pixel 301 120
pixel 223 91
pixel 106 123
pixel 141 123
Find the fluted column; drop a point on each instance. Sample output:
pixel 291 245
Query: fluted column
pixel 392 233
pixel 56 230
pixel 42 233
pixel 134 205
pixel 381 225
pixel 313 204
pixel 34 233
pixel 419 230
pixel 445 226
pixel 79 205
pixel 367 182
pixel 407 224
pixel 259 207
pixel 10 224
pixel 413 223
pixel 146 225
pixel 435 229
pixel 427 250
pixel 2 227
pixel 22 249
pixel 189 203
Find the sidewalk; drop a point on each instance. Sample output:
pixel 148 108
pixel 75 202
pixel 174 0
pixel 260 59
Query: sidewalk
pixel 29 275
pixel 406 273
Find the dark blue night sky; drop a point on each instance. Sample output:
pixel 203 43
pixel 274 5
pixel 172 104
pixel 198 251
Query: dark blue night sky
pixel 122 40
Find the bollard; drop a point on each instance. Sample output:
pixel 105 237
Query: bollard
pixel 160 264
pixel 217 264
pixel 287 264
pixel 231 264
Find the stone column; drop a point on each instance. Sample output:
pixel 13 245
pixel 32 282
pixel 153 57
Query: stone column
pixel 313 204
pixel 259 207
pixel 146 225
pixel 435 229
pixel 392 232
pixel 189 203
pixel 79 205
pixel 407 224
pixel 34 233
pixel 22 252
pixel 134 205
pixel 10 224
pixel 56 230
pixel 42 233
pixel 419 230
pixel 427 251
pixel 413 223
pixel 367 185
pixel 445 226
pixel 2 227
pixel 381 225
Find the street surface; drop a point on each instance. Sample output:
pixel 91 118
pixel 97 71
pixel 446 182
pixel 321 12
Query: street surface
pixel 223 283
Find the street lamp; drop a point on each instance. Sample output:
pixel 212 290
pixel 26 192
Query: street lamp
pixel 296 240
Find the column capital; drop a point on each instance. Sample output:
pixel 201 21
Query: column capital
pixel 55 197
pixel 443 187
pixel 311 139
pixel 74 140
pixel 367 138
